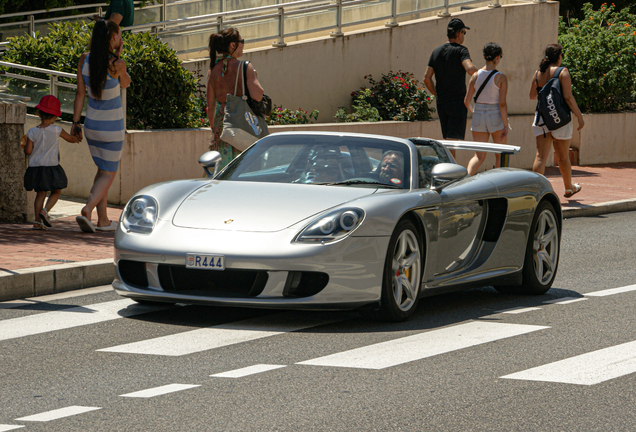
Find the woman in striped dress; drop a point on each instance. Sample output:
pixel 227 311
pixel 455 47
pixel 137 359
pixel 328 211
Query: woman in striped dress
pixel 102 72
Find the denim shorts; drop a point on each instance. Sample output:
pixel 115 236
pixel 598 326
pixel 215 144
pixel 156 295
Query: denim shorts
pixel 486 118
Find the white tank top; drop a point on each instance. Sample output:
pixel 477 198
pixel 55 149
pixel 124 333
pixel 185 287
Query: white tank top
pixel 490 93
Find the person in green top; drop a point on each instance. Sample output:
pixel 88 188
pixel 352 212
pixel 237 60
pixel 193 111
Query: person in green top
pixel 121 12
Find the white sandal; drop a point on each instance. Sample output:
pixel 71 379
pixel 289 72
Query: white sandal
pixel 576 188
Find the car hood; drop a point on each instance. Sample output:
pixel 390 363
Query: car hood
pixel 259 207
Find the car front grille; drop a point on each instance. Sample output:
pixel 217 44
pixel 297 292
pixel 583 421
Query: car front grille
pixel 212 283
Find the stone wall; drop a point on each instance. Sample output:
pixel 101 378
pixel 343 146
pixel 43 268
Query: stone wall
pixel 13 196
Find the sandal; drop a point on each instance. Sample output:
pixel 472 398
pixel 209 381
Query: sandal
pixel 38 226
pixel 44 216
pixel 576 188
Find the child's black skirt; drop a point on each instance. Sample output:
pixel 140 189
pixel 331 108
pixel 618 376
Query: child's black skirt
pixel 45 178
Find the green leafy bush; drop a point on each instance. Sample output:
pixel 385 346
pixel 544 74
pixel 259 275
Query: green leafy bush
pixel 362 109
pixel 600 53
pixel 162 92
pixel 285 116
pixel 397 96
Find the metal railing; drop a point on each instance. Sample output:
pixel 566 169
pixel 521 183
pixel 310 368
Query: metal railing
pixel 53 86
pixel 281 12
pixel 264 16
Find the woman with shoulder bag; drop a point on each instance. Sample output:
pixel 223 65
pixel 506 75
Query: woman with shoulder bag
pixel 225 49
pixel 559 138
pixel 490 115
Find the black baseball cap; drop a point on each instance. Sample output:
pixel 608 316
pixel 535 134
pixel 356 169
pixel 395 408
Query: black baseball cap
pixel 457 24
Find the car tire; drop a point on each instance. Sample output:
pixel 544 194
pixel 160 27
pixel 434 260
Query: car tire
pixel 542 253
pixel 402 275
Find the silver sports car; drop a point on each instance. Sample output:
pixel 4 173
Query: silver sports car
pixel 335 220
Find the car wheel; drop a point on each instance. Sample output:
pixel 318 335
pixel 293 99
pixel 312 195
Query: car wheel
pixel 402 274
pixel 542 253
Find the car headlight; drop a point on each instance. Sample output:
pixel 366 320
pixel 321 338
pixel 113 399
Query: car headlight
pixel 331 226
pixel 140 214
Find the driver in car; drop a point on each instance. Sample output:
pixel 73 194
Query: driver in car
pixel 324 171
pixel 391 169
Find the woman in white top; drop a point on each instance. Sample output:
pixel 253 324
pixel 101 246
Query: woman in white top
pixel 490 115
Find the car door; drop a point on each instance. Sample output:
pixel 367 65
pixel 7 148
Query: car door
pixel 461 220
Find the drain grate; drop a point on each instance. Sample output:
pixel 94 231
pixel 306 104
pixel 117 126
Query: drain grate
pixel 60 260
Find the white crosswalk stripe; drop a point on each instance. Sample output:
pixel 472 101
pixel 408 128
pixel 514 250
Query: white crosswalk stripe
pixel 611 291
pixel 586 369
pixel 71 317
pixel 159 391
pixel 422 345
pixel 5 427
pixel 58 413
pixel 223 335
pixel 250 370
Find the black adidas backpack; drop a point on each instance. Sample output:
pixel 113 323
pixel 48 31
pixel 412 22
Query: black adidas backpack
pixel 551 105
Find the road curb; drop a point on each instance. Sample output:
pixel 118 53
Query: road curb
pixel 600 208
pixel 36 281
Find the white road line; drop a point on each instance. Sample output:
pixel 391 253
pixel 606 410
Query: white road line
pixel 586 369
pixel 607 292
pixel 422 345
pixel 518 310
pixel 71 317
pixel 250 370
pixel 4 427
pixel 223 335
pixel 158 391
pixel 565 300
pixel 58 413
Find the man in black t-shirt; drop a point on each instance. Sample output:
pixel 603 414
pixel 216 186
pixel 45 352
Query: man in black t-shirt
pixel 450 63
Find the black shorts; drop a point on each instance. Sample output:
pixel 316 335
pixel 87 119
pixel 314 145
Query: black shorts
pixel 452 117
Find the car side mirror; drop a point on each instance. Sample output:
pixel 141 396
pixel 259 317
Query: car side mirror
pixel 211 159
pixel 446 174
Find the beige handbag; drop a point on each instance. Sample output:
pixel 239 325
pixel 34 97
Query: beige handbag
pixel 241 127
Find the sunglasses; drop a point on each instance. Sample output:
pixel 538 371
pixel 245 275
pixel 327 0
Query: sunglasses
pixel 463 32
pixel 241 41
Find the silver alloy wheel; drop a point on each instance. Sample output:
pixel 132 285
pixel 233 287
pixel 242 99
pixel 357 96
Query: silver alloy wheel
pixel 406 265
pixel 545 247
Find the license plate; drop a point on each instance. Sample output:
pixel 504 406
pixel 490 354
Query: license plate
pixel 205 262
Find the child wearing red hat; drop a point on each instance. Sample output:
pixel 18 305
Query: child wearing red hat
pixel 44 173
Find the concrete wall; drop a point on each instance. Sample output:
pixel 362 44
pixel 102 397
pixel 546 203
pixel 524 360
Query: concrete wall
pixel 321 73
pixel 154 156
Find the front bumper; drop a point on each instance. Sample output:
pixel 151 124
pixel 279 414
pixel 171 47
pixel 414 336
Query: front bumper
pixel 261 269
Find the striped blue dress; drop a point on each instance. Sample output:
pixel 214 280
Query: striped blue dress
pixel 104 125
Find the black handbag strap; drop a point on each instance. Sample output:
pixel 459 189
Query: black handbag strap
pixel 246 90
pixel 484 83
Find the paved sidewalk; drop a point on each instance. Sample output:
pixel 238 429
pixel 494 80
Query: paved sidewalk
pixel 63 258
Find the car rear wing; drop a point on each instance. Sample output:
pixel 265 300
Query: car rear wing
pixel 503 149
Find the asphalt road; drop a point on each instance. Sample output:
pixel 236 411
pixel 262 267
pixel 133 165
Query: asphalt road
pixel 470 361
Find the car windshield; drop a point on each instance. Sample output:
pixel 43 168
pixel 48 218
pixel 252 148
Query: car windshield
pixel 333 160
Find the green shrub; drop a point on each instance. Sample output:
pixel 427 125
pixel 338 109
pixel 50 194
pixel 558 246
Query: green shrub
pixel 362 109
pixel 397 96
pixel 285 116
pixel 600 53
pixel 162 92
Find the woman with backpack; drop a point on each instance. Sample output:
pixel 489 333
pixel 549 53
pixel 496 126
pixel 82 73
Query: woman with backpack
pixel 545 132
